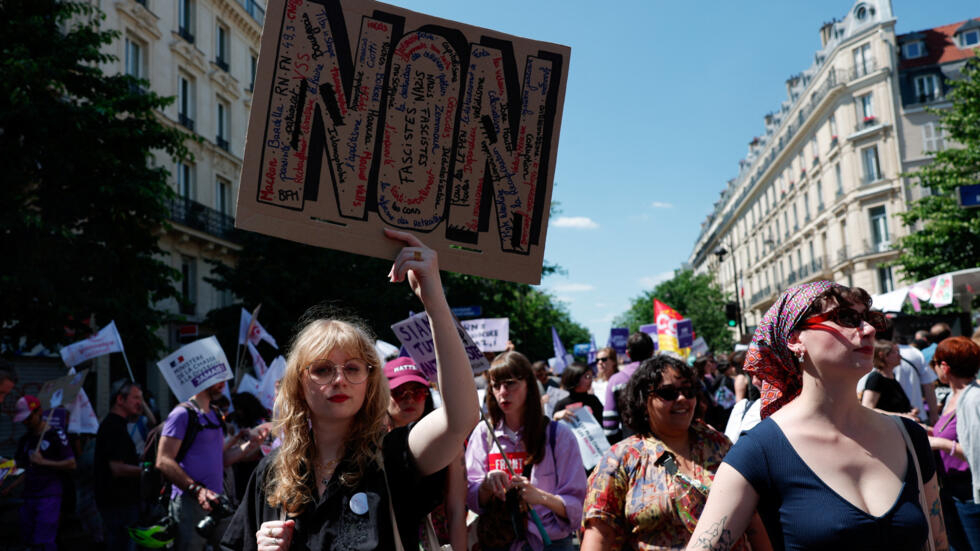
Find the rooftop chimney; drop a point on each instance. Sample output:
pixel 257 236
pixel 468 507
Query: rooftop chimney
pixel 826 31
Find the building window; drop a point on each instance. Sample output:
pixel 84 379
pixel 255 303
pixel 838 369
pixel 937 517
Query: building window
pixel 819 193
pixel 806 204
pixel 185 101
pixel 134 59
pixel 840 180
pixel 185 19
pixel 833 127
pixel 914 50
pixel 863 63
pixel 879 229
pixel 885 283
pixel 869 159
pixel 188 285
pixel 933 137
pixel 222 123
pixel 254 63
pixel 970 38
pixel 926 88
pixel 185 180
pixel 866 111
pixel 222 192
pixel 796 218
pixel 221 47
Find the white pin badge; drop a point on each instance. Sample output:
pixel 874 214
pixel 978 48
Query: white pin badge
pixel 359 503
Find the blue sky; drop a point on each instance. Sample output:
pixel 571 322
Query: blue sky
pixel 662 100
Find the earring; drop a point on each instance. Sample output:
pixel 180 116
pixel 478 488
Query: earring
pixel 799 356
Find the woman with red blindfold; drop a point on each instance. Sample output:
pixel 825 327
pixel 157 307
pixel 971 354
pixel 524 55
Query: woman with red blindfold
pixel 823 471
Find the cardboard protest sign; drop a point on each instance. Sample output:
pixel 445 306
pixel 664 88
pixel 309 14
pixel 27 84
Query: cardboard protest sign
pixel 415 334
pixel 194 367
pixel 699 346
pixel 104 342
pixel 367 115
pixel 592 442
pixel 61 391
pixel 490 334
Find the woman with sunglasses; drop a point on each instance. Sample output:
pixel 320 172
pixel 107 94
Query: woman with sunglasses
pixel 410 401
pixel 881 390
pixel 648 490
pixel 823 471
pixel 340 476
pixel 606 365
pixel 577 379
pixel 548 472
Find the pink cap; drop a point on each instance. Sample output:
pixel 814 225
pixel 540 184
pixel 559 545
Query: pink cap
pixel 403 370
pixel 25 406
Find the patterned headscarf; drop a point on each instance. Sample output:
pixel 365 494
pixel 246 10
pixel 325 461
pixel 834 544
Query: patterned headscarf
pixel 769 357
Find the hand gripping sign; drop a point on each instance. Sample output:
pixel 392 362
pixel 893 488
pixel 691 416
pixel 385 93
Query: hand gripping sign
pixel 368 115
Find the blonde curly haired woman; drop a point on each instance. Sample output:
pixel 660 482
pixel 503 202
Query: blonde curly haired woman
pixel 339 476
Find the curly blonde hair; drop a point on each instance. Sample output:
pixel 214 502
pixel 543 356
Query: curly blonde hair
pixel 291 470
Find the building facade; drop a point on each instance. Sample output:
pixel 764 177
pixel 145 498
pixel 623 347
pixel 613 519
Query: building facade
pixel 203 53
pixel 817 194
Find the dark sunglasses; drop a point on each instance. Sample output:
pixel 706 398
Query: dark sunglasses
pixel 670 393
pixel 414 394
pixel 847 317
pixel 607 358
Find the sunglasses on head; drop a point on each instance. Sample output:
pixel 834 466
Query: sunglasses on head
pixel 670 393
pixel 847 317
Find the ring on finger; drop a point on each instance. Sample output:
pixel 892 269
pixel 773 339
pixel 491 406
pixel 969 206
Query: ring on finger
pixel 417 256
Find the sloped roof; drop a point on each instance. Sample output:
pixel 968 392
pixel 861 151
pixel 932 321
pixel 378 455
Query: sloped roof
pixel 941 45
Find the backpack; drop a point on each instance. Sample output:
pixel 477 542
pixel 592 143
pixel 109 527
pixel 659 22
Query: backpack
pixel 155 489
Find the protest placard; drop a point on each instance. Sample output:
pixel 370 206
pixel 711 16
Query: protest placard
pixel 618 337
pixel 699 347
pixel 61 391
pixel 685 333
pixel 553 395
pixel 490 334
pixel 651 329
pixel 194 367
pixel 415 335
pixel 588 432
pixel 367 115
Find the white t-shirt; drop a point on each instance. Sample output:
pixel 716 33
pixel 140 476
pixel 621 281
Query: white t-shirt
pixel 741 420
pixel 912 372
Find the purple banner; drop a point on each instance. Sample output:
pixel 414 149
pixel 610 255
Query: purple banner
pixel 618 337
pixel 685 333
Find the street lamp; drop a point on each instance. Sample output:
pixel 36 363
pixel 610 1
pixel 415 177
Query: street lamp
pixel 720 252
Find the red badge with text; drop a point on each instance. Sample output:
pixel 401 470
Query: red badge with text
pixel 495 462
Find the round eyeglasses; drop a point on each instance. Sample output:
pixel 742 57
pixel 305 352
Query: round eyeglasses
pixel 324 372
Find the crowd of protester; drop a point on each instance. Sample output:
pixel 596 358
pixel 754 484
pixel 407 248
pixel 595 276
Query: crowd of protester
pixel 765 447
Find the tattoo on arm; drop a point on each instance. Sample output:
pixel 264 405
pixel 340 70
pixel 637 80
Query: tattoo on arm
pixel 716 537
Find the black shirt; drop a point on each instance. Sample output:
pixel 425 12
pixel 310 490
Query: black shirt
pixel 892 397
pixel 112 443
pixel 330 522
pixel 584 398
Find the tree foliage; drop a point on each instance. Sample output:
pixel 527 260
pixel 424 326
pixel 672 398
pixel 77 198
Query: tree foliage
pixel 696 297
pixel 81 206
pixel 287 278
pixel 945 237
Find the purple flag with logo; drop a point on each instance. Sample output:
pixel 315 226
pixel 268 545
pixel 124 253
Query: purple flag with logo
pixel 592 351
pixel 563 358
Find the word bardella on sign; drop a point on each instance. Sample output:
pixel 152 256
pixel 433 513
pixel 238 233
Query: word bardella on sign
pixel 368 115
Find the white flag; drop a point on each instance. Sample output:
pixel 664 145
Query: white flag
pixel 267 391
pixel 249 384
pixel 104 342
pixel 257 361
pixel 255 333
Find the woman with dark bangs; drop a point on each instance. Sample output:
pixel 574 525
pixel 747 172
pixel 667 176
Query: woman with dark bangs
pixel 544 455
pixel 823 471
pixel 340 479
pixel 648 490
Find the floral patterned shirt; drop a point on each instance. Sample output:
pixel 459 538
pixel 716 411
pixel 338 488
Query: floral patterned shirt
pixel 633 491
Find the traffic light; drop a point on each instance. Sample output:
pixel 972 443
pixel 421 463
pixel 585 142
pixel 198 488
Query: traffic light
pixel 731 313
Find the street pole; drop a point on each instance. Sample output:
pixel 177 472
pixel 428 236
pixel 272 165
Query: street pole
pixel 738 296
